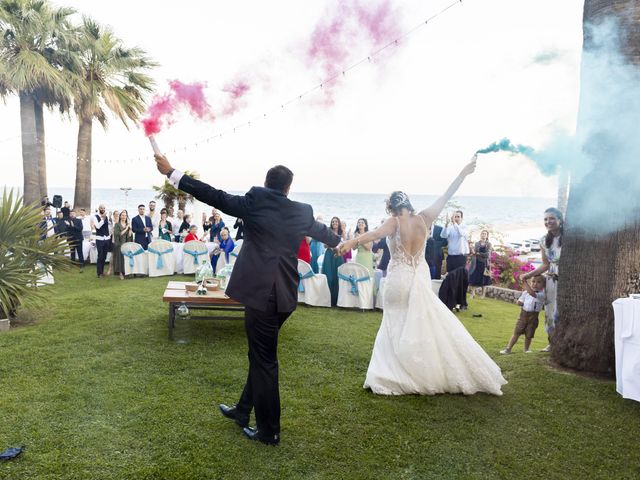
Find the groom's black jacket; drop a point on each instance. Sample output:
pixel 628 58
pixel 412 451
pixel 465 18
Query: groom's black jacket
pixel 274 226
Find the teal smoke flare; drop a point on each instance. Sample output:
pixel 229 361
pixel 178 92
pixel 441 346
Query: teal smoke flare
pixel 505 145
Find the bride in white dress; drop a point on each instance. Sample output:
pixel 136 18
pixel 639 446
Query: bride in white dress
pixel 421 346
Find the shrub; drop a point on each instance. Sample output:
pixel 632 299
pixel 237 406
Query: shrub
pixel 506 268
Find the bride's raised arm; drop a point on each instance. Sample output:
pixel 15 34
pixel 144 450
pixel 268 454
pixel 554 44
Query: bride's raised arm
pixel 432 212
pixel 384 230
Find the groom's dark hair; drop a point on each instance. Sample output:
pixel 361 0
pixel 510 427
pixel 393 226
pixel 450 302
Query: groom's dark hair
pixel 279 178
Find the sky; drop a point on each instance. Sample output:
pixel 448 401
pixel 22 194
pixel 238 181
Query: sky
pixel 409 119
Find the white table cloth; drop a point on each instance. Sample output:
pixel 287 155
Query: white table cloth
pixel 627 346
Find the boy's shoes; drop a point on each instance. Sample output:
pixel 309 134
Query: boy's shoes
pixel 546 349
pixel 505 351
pixel 528 351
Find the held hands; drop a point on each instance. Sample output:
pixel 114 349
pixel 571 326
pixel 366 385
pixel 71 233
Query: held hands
pixel 346 246
pixel 163 164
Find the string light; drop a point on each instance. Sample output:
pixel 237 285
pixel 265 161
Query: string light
pixel 297 98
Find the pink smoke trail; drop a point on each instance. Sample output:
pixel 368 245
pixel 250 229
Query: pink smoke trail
pixel 163 108
pixel 235 90
pixel 332 45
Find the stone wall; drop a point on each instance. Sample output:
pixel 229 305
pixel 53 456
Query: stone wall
pixel 504 294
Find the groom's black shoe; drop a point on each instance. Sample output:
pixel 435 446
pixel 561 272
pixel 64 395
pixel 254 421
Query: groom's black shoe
pixel 241 419
pixel 254 434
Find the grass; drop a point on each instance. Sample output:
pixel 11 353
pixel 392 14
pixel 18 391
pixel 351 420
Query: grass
pixel 95 390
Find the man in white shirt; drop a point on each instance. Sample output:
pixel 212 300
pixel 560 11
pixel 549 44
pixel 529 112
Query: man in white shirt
pixel 458 241
pixel 155 218
pixel 176 223
pixel 86 224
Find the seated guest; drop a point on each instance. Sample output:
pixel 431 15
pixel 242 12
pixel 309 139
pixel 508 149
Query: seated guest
pixel 164 226
pixel 193 233
pixel 226 247
pixel 142 227
pixel 304 252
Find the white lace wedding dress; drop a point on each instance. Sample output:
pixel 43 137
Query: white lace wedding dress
pixel 421 346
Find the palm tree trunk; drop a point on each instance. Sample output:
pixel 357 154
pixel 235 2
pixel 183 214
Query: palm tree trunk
pixel 30 159
pixel 596 267
pixel 42 159
pixel 563 190
pixel 82 196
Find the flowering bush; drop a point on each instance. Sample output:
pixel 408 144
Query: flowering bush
pixel 506 268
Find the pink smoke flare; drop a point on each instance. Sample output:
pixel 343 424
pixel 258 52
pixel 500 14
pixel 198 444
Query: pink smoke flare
pixel 163 107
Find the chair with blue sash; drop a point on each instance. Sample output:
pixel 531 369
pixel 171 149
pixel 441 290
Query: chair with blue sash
pixel 313 288
pixel 355 287
pixel 194 254
pixel 233 255
pixel 135 259
pixel 161 259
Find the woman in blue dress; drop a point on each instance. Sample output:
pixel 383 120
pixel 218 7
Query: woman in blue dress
pixel 226 247
pixel 331 263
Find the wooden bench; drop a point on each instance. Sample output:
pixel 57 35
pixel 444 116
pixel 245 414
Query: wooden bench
pixel 176 295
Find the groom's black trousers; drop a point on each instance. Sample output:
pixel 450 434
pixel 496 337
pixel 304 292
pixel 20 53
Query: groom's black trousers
pixel 261 391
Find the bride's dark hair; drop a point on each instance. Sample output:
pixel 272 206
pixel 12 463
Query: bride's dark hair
pixel 397 201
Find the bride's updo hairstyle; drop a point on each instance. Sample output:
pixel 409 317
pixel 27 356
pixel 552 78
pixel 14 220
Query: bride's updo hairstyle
pixel 397 201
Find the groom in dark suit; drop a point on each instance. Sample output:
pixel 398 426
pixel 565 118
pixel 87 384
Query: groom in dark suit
pixel 264 279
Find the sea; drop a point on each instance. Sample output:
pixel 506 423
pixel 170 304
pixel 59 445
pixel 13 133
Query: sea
pixel 511 218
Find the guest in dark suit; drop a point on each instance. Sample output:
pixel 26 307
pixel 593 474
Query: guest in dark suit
pixel 264 279
pixel 75 237
pixel 142 227
pixel 60 228
pixel 434 253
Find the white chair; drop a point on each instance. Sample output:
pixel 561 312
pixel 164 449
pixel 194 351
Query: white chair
pixel 195 253
pixel 161 260
pixel 355 287
pixel 313 288
pixel 379 294
pixel 222 261
pixel 135 259
pixel 233 255
pixel 44 277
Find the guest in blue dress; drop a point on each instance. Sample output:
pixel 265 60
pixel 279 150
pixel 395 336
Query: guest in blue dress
pixel 226 247
pixel 216 228
pixel 331 263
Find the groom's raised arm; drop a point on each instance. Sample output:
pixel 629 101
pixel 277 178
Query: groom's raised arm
pixel 235 205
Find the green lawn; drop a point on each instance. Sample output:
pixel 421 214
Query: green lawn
pixel 95 390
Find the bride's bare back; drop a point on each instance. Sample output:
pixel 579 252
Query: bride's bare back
pixel 413 232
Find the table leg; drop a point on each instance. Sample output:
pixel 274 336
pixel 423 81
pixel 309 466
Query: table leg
pixel 172 317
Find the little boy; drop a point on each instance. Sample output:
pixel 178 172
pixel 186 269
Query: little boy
pixel 532 301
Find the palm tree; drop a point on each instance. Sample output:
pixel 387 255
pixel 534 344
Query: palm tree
pixel 170 194
pixel 113 81
pixel 599 266
pixel 22 253
pixel 31 34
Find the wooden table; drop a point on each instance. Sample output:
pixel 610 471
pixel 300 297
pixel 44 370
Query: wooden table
pixel 175 294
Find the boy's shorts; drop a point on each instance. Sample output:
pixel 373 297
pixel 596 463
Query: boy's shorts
pixel 527 324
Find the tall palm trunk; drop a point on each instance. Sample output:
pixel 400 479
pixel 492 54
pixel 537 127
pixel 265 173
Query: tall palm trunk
pixel 30 152
pixel 82 196
pixel 42 158
pixel 598 267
